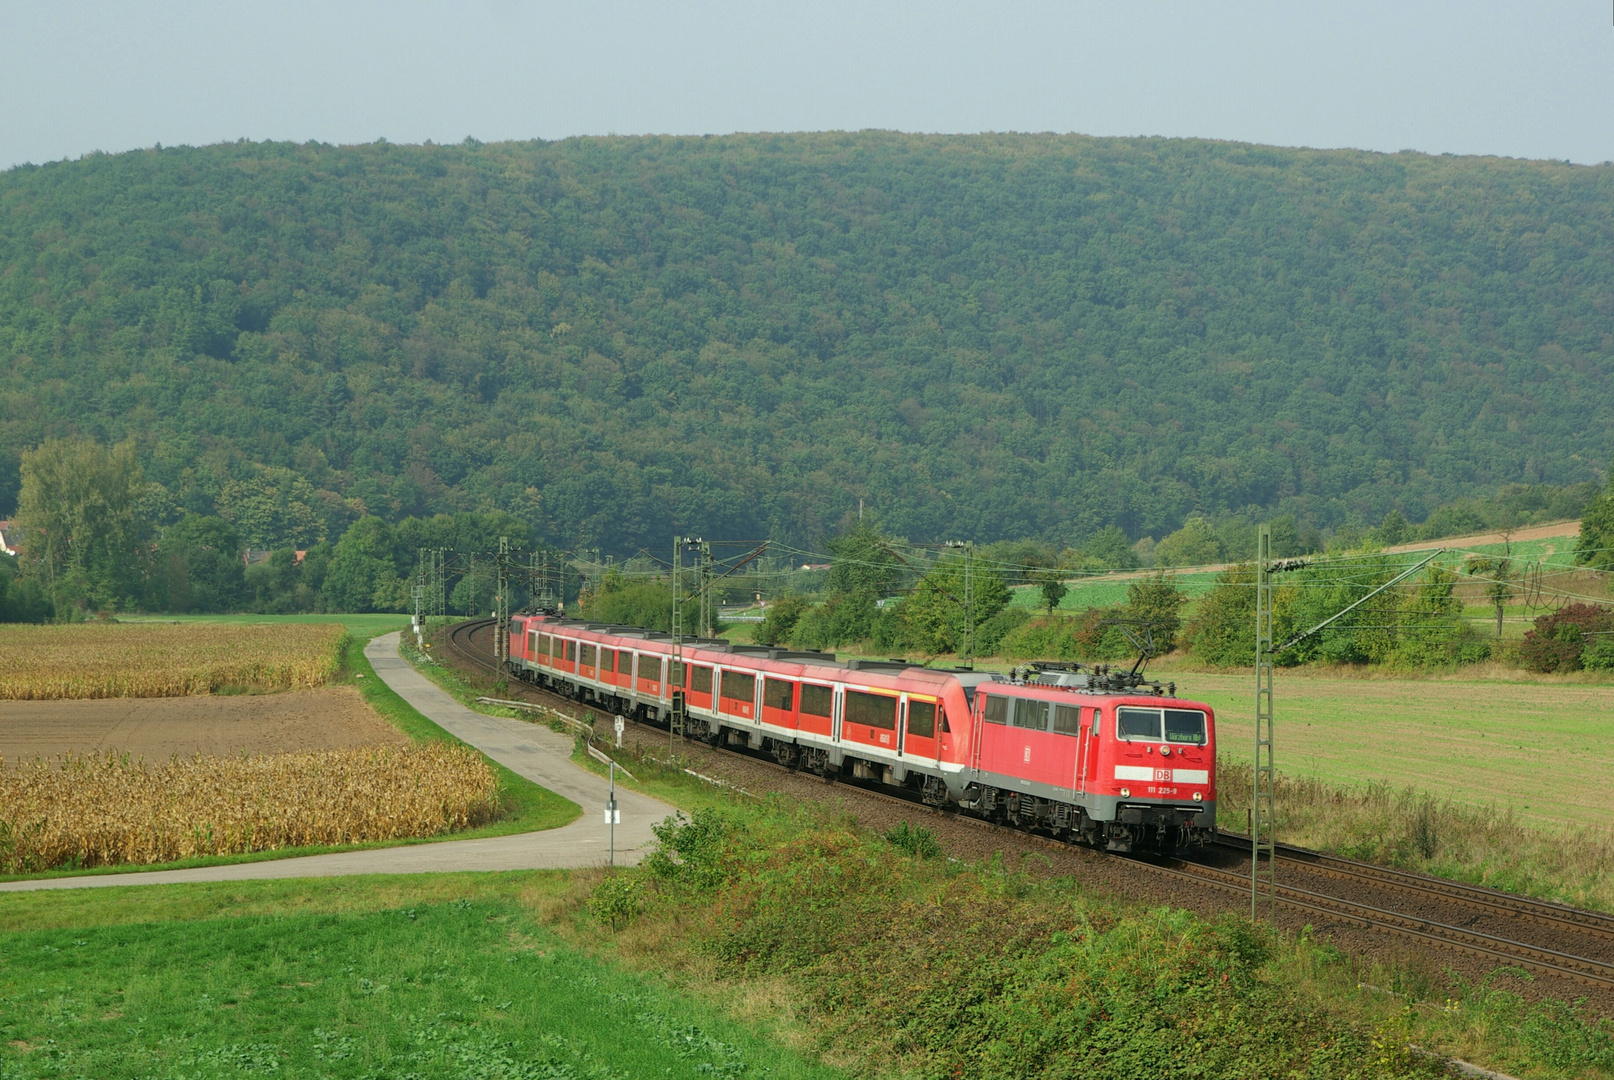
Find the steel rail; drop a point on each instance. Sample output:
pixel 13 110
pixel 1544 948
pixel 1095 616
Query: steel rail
pixel 1543 912
pixel 1488 946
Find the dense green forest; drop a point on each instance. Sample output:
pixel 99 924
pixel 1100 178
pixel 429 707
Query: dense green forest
pixel 988 337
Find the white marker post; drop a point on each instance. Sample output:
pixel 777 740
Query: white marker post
pixel 621 726
pixel 612 814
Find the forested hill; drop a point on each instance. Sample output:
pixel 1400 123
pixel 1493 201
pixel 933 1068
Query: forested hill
pixel 984 336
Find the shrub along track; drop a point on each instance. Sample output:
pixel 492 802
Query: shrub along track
pixel 1423 923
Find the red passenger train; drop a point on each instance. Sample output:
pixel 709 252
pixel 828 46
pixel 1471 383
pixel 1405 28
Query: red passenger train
pixel 1085 754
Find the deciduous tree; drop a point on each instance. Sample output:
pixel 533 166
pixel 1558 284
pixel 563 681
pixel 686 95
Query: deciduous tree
pixel 84 539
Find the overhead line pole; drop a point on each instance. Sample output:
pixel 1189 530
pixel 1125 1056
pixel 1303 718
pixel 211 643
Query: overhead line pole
pixel 501 602
pixel 967 644
pixel 1263 825
pixel 1263 816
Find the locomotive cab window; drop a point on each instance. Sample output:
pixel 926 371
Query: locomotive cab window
pixel 776 694
pixel 1031 714
pixel 817 700
pixel 996 710
pixel 1185 726
pixel 1143 724
pixel 922 719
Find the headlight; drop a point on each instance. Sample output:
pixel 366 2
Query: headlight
pixel 1126 793
pixel 1199 796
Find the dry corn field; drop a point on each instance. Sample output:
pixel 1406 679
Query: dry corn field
pixel 108 810
pixel 108 660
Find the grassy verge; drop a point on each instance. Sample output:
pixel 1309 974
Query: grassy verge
pixel 435 976
pixel 1430 834
pixel 887 957
pixel 526 807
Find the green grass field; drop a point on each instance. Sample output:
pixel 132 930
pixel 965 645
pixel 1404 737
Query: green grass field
pixel 1479 741
pixel 360 626
pixel 430 976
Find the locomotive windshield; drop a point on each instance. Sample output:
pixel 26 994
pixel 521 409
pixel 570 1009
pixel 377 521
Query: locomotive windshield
pixel 1156 725
pixel 1185 726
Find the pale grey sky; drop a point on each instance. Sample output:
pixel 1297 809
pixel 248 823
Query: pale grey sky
pixel 1517 79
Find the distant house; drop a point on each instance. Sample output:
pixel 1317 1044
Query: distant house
pixel 252 558
pixel 10 538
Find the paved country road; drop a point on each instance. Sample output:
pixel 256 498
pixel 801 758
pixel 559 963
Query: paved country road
pixel 531 750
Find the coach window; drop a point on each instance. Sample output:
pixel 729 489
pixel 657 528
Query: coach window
pixel 588 655
pixel 776 694
pixel 1067 719
pixel 922 719
pixel 1138 724
pixel 817 700
pixel 571 652
pixel 1031 714
pixel 700 679
pixel 680 673
pixel 624 663
pixel 739 686
pixel 875 710
pixel 1185 726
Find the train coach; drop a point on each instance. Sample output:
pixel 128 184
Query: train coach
pixel 1086 754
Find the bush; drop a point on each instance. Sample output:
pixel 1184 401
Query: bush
pixel 837 621
pixel 916 840
pixel 781 619
pixel 615 901
pixel 1095 638
pixel 1558 640
pixel 989 636
pixel 691 852
pixel 1040 639
pixel 1223 633
pixel 1598 655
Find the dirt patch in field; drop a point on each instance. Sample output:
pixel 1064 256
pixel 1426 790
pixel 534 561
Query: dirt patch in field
pixel 331 718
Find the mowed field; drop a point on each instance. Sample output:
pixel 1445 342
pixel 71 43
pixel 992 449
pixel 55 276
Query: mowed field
pixel 330 718
pixel 1541 748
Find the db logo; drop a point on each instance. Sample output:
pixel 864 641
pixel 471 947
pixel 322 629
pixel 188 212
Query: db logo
pixel 1162 774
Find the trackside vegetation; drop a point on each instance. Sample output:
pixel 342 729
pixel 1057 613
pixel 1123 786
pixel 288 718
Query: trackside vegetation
pixel 899 960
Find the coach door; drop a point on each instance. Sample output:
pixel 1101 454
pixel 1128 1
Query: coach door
pixel 920 737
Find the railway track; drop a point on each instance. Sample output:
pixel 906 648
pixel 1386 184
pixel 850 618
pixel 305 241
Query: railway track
pixel 1474 899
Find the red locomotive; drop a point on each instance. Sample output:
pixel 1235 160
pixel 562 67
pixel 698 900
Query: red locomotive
pixel 1087 754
